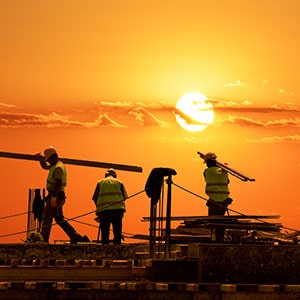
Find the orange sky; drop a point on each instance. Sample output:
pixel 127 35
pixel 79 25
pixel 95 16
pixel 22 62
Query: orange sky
pixel 99 80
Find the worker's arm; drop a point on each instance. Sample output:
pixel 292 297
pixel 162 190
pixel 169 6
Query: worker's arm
pixel 58 175
pixel 225 172
pixel 124 192
pixel 44 165
pixel 96 193
pixel 42 161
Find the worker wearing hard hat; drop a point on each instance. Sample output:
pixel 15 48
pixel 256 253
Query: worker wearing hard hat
pixel 55 185
pixel 109 197
pixel 216 189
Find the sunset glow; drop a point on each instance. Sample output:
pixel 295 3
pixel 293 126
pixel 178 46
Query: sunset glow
pixel 194 112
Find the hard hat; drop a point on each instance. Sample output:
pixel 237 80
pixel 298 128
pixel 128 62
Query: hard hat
pixel 209 155
pixel 111 172
pixel 49 152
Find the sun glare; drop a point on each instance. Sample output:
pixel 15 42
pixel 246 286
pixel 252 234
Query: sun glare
pixel 194 112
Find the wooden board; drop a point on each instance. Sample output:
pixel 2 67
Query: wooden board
pixel 68 273
pixel 201 218
pixel 245 226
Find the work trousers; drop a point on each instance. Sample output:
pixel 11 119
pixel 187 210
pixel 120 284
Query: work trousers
pixel 114 217
pixel 217 209
pixel 56 213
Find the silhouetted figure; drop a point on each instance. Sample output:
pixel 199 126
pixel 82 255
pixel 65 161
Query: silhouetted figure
pixel 109 197
pixel 217 190
pixel 56 183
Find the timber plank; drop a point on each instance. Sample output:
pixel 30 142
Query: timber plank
pixel 70 273
pixel 248 226
pixel 201 218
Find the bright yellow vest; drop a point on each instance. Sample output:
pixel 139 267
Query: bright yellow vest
pixel 110 194
pixel 216 183
pixel 51 182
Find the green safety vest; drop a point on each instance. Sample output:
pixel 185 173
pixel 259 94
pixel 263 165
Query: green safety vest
pixel 216 183
pixel 110 194
pixel 51 181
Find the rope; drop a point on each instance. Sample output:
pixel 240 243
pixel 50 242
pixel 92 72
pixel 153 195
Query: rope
pixel 107 206
pixel 15 215
pixel 85 223
pixel 67 219
pixel 133 195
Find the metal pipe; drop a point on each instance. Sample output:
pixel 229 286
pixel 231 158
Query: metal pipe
pixel 168 218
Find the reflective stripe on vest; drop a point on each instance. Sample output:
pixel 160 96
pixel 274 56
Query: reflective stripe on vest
pixel 51 181
pixel 110 194
pixel 216 183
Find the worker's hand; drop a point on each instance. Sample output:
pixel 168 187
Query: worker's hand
pixel 39 156
pixel 53 202
pixel 229 201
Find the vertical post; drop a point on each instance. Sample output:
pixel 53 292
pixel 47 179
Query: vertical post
pixel 168 217
pixel 30 218
pixel 153 191
pixel 152 229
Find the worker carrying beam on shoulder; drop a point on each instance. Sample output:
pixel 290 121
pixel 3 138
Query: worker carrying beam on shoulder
pixel 55 199
pixel 217 190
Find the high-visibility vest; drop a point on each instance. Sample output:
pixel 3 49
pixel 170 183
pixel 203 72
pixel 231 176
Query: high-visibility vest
pixel 51 181
pixel 110 194
pixel 216 183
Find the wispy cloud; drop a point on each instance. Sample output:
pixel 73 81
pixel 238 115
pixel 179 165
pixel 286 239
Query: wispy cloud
pixel 146 118
pixel 253 109
pixel 15 120
pixel 246 121
pixel 104 120
pixel 247 106
pixel 284 92
pixel 6 105
pixel 238 83
pixel 154 106
pixel 124 114
pixel 277 139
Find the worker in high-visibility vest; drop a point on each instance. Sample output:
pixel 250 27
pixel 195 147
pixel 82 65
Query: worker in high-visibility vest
pixel 217 190
pixel 109 197
pixel 55 199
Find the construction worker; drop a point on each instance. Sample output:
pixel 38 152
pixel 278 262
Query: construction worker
pixel 109 197
pixel 55 199
pixel 217 190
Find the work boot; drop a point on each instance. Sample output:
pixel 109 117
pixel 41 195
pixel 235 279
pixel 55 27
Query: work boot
pixel 77 238
pixel 85 239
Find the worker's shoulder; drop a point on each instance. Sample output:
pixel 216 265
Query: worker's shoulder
pixel 109 180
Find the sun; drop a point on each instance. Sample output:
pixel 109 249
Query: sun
pixel 194 112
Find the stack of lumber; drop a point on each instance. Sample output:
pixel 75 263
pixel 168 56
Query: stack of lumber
pixel 241 222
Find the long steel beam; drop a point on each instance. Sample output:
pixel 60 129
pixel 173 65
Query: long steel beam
pixel 230 170
pixel 78 162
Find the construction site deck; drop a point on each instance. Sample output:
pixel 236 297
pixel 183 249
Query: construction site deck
pixel 192 271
